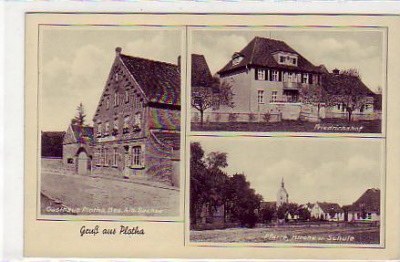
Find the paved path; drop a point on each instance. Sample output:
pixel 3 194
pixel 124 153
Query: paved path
pixel 100 196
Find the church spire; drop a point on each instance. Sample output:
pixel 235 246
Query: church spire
pixel 283 183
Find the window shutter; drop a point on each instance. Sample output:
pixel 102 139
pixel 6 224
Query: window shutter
pixel 267 76
pixel 311 78
pixel 280 76
pixel 256 73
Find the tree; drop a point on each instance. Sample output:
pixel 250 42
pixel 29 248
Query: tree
pixel 351 99
pixel 79 119
pixel 198 190
pixel 212 95
pixel 304 214
pixel 316 96
pixel 268 214
pixel 351 93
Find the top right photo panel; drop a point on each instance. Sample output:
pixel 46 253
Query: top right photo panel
pixel 292 79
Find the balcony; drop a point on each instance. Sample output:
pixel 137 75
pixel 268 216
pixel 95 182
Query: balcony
pixel 293 85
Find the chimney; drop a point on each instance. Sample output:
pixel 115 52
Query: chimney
pixel 118 51
pixel 336 71
pixel 179 63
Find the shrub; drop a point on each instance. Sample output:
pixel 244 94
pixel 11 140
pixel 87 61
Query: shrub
pixel 267 117
pixel 232 117
pixel 252 117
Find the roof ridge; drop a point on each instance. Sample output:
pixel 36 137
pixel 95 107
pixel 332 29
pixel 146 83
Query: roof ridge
pixel 252 51
pixel 150 60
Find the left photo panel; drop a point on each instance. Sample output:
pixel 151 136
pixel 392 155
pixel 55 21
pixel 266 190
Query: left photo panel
pixel 109 121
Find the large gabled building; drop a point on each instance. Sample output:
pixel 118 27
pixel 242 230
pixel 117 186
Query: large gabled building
pixel 137 121
pixel 269 78
pixel 266 77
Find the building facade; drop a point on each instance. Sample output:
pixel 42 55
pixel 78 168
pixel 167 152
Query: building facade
pixel 77 149
pixel 269 79
pixel 367 207
pixel 327 211
pixel 137 121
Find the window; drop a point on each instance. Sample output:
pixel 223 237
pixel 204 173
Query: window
pixel 274 96
pixel 116 100
pixel 137 122
pixel 107 131
pixel 260 96
pixel 261 74
pixel 136 155
pixel 99 130
pixel 70 160
pixel 115 154
pixel 126 96
pixel 105 163
pixel 294 61
pixel 236 60
pixel 126 125
pixel 285 77
pixel 115 128
pixel 292 78
pixel 98 156
pixel 282 59
pixel 275 76
pixel 305 78
pixel 102 156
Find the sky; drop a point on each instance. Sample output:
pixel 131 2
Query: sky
pixel 335 48
pixel 76 61
pixel 313 169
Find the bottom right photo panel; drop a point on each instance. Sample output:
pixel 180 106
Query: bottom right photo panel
pixel 263 191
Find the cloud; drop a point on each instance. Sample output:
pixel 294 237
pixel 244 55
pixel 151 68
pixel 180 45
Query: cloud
pixel 218 50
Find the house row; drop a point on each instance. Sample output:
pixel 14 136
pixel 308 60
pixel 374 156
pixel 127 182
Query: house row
pixel 268 77
pixel 366 208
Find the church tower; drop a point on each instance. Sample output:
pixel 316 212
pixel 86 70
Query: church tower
pixel 282 196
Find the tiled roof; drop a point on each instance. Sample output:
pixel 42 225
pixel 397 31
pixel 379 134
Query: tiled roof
pixel 201 74
pixel 260 52
pixel 327 207
pixel 336 84
pixel 159 81
pixel 82 133
pixel 167 137
pixel 369 201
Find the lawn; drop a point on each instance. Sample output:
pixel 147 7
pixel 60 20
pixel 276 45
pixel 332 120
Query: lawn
pixel 325 126
pixel 328 233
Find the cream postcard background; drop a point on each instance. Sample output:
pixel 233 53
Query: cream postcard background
pixel 170 239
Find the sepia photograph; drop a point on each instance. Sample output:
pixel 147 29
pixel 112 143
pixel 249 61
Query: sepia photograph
pixel 322 80
pixel 110 120
pixel 312 191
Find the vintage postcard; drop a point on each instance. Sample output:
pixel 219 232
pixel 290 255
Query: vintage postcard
pixel 110 118
pixel 211 136
pixel 309 191
pixel 290 79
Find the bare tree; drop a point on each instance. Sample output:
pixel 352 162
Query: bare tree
pixel 212 96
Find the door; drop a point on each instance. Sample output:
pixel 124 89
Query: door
pixel 83 163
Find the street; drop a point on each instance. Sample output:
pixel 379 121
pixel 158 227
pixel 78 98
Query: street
pixel 85 195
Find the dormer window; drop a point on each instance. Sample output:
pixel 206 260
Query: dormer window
pixel 236 58
pixel 284 58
